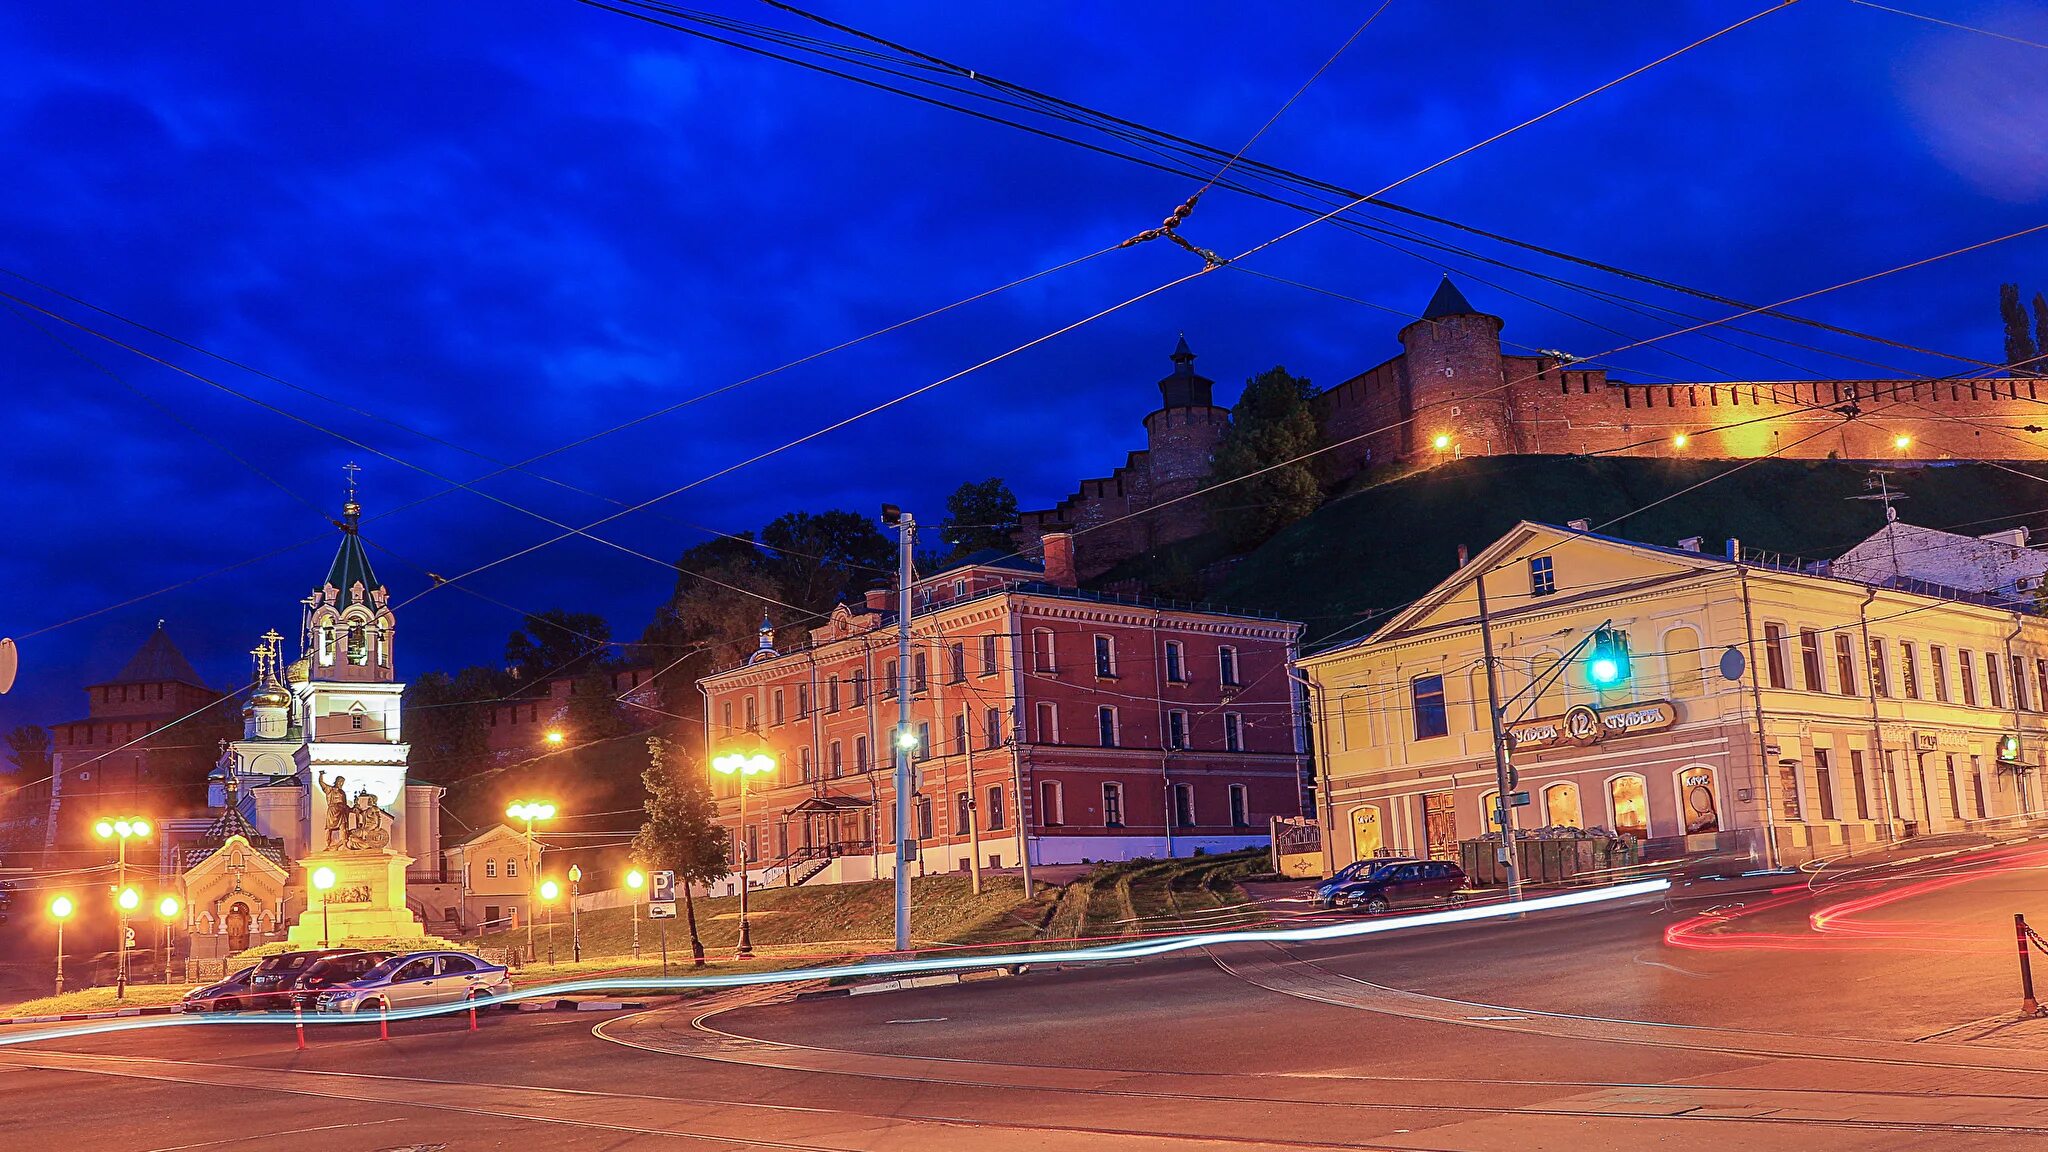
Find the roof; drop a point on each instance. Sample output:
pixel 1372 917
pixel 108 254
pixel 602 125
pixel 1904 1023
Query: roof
pixel 1448 301
pixel 830 803
pixel 158 660
pixel 992 558
pixel 351 563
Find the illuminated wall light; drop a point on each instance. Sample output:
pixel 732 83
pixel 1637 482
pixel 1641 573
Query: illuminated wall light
pixel 1680 440
pixel 1902 442
pixel 1442 442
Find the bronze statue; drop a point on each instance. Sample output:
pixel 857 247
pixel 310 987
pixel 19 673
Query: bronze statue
pixel 337 809
pixel 366 825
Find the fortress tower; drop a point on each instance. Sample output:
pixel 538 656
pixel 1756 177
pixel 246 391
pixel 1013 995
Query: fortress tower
pixel 1455 381
pixel 1180 436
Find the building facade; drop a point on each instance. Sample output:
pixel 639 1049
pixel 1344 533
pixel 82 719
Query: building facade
pixel 497 871
pixel 1066 725
pixel 1454 391
pixel 1777 712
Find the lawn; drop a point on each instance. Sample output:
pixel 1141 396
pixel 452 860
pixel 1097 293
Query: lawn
pixel 97 1000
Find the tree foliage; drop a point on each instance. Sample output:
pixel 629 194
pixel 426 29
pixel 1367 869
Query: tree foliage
pixel 681 833
pixel 556 643
pixel 1271 423
pixel 980 514
pixel 2020 353
pixel 28 749
pixel 818 558
pixel 445 718
pixel 2040 366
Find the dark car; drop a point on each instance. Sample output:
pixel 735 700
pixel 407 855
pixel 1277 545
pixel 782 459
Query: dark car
pixel 272 984
pixel 331 971
pixel 1326 892
pixel 228 995
pixel 1406 884
pixel 416 980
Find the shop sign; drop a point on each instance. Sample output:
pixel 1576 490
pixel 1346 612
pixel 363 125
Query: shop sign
pixel 1585 725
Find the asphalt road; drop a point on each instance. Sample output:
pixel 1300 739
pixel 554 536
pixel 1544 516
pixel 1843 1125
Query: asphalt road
pixel 1575 1030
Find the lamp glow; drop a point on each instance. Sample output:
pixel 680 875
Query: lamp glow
pixel 104 829
pixel 167 907
pixel 1902 442
pixel 323 878
pixel 1442 442
pixel 129 899
pixel 549 890
pixel 636 878
pixel 1680 440
pixel 61 908
pixel 554 736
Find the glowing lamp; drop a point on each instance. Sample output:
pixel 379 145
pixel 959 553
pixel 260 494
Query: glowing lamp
pixel 104 829
pixel 1902 442
pixel 129 899
pixel 554 736
pixel 167 907
pixel 61 908
pixel 635 878
pixel 1680 440
pixel 323 878
pixel 1442 442
pixel 549 890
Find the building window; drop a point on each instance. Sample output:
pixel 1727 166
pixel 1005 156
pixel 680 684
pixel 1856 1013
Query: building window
pixel 1105 725
pixel 1226 665
pixel 1992 688
pixel 860 754
pixel 803 763
pixel 490 869
pixel 1048 723
pixel 1955 791
pixel 836 759
pixel 1774 655
pixel 1561 806
pixel 889 684
pixel 1966 672
pixel 1112 805
pixel 355 721
pixel 1788 791
pixel 995 728
pixel 1426 695
pixel 724 715
pixel 959 589
pixel 1937 670
pixel 803 701
pixel 1845 664
pixel 1177 729
pixel 1176 668
pixel 753 713
pixel 1809 659
pixel 1861 780
pixel 1105 658
pixel 1240 807
pixel 1042 651
pixel 860 689
pixel 1183 805
pixel 512 867
pixel 960 733
pixel 1909 670
pixel 1824 782
pixel 832 693
pixel 1977 785
pixel 924 817
pixel 959 654
pixel 775 707
pixel 2041 682
pixel 994 819
pixel 1542 576
pixel 919 679
pixel 1628 796
pixel 924 740
pixel 988 654
pixel 1052 810
pixel 2019 684
pixel 963 812
pixel 1233 732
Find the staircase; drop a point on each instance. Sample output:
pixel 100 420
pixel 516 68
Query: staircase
pixel 809 870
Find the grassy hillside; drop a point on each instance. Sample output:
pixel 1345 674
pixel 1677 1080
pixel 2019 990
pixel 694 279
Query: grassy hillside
pixel 1381 546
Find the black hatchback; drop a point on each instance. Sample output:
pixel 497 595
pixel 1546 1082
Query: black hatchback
pixel 1410 884
pixel 270 987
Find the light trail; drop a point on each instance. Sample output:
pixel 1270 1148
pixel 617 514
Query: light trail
pixel 1129 950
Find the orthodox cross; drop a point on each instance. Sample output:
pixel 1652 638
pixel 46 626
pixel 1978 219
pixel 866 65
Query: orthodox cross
pixel 351 468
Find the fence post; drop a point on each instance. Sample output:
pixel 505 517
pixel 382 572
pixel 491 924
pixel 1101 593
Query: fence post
pixel 2028 1005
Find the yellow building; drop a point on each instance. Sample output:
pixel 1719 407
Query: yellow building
pixel 1765 709
pixel 496 869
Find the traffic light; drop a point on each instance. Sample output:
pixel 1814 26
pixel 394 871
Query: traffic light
pixel 2009 748
pixel 1607 659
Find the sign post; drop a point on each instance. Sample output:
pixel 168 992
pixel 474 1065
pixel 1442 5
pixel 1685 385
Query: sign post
pixel 661 905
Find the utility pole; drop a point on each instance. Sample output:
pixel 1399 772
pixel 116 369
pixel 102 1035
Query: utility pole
pixel 1503 771
pixel 906 737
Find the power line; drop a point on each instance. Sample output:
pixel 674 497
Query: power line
pixel 1950 24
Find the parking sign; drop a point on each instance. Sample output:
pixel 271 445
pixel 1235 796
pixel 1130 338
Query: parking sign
pixel 661 903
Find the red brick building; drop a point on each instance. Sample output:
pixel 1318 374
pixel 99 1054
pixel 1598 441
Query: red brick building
pixel 1453 392
pixel 124 758
pixel 521 724
pixel 1071 725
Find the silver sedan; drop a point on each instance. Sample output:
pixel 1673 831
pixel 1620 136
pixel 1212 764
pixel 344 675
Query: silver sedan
pixel 417 979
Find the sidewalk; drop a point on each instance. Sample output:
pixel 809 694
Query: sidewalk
pixel 2011 1031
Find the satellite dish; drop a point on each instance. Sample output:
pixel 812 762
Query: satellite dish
pixel 9 662
pixel 1732 663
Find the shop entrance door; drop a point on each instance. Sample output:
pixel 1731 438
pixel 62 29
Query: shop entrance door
pixel 1440 825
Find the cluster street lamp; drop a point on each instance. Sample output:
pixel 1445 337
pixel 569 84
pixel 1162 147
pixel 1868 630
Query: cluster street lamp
pixel 575 932
pixel 120 831
pixel 636 880
pixel 743 765
pixel 60 910
pixel 323 879
pixel 548 891
pixel 530 811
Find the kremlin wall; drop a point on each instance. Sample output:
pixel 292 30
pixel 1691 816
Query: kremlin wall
pixel 1453 393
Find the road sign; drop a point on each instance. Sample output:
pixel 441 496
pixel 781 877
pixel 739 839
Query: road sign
pixel 664 889
pixel 1519 799
pixel 661 910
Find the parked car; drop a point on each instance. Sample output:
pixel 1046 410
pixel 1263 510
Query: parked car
pixel 271 986
pixel 417 979
pixel 1406 884
pixel 332 970
pixel 1326 892
pixel 227 995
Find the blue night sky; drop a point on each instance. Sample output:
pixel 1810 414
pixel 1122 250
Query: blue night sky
pixel 506 227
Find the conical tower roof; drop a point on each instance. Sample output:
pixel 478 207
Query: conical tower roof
pixel 1448 301
pixel 351 565
pixel 157 661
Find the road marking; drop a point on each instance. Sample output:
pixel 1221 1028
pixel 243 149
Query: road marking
pixel 1496 1017
pixel 273 1135
pixel 919 1020
pixel 1670 967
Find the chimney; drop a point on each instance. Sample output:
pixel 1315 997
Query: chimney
pixel 1693 543
pixel 1579 525
pixel 1464 556
pixel 878 599
pixel 1059 559
pixel 1735 549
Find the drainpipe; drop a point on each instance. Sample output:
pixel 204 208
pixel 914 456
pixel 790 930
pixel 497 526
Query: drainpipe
pixel 1884 764
pixel 1318 705
pixel 1165 752
pixel 1015 622
pixel 2019 779
pixel 1756 692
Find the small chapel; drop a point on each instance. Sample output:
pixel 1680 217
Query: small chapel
pixel 315 828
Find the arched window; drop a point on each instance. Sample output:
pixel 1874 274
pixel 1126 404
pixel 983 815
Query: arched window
pixel 512 867
pixel 1561 806
pixel 1488 801
pixel 1682 663
pixel 1699 804
pixel 1368 836
pixel 1628 804
pixel 491 869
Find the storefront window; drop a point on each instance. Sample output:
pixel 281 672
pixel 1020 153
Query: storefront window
pixel 1629 796
pixel 1698 805
pixel 1561 805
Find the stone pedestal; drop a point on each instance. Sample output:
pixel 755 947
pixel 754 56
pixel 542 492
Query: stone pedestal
pixel 367 901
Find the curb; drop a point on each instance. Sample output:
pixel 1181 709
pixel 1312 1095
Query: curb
pixel 567 1005
pixel 906 983
pixel 118 1013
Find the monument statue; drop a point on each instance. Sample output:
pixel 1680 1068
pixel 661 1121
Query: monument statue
pixel 366 829
pixel 337 809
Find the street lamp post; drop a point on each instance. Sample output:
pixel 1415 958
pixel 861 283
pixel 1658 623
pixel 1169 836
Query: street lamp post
pixel 120 832
pixel 530 811
pixel 548 891
pixel 60 911
pixel 323 879
pixel 636 880
pixel 167 909
pixel 575 930
pixel 742 765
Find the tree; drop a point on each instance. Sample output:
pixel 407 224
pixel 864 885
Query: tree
pixel 594 711
pixel 28 749
pixel 711 617
pixel 1270 425
pixel 681 833
pixel 445 720
pixel 2020 353
pixel 980 514
pixel 816 559
pixel 2040 366
pixel 556 642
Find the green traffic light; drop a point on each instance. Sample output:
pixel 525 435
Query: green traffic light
pixel 1607 664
